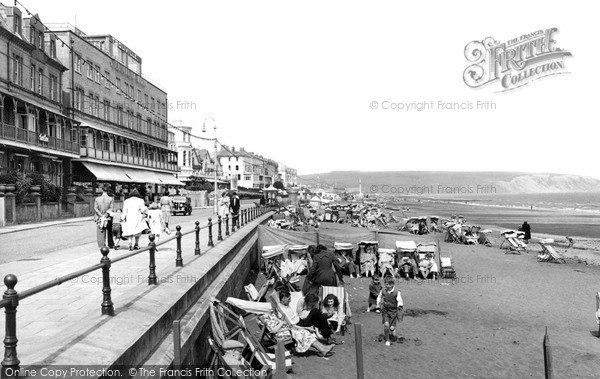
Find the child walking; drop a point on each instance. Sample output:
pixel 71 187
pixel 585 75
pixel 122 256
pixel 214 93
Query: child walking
pixel 390 303
pixel 374 290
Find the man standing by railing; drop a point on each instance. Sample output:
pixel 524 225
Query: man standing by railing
pixel 235 209
pixel 103 204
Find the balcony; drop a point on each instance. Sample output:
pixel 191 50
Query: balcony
pixel 29 137
pixel 111 156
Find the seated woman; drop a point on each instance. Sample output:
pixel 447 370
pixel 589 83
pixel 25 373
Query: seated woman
pixel 307 313
pixel 367 261
pixel 426 266
pixel 346 263
pixel 334 311
pixel 303 337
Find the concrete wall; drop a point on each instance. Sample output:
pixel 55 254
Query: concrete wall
pixel 2 214
pixel 26 213
pixel 50 211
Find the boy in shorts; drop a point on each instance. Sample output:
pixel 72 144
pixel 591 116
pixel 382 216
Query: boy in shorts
pixel 390 303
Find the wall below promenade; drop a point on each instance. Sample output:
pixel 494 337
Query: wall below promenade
pixel 228 268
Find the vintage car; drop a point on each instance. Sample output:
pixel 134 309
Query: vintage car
pixel 181 204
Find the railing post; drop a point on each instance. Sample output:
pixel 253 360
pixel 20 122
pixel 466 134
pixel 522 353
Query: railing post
pixel 152 279
pixel 178 260
pixel 10 360
pixel 233 222
pixel 210 241
pixel 197 229
pixel 107 304
pixel 244 219
pixel 219 235
pixel 226 225
pixel 240 218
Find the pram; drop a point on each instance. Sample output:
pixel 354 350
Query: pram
pixel 407 264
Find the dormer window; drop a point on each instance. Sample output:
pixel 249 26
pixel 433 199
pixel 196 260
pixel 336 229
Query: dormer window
pixel 17 24
pixel 53 48
pixel 41 40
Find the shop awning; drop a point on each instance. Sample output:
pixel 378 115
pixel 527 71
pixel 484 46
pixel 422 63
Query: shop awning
pixel 107 173
pixel 168 179
pixel 142 176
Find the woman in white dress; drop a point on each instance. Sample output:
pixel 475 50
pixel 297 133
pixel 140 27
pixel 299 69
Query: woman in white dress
pixel 224 205
pixel 132 221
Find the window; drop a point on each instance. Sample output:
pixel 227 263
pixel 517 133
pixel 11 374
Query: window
pixel 119 115
pixel 139 96
pixel 90 70
pixel 106 79
pixel 97 106
pixel 118 84
pixel 40 83
pixel 152 103
pixel 237 168
pixel 139 122
pixel 53 87
pixel 32 74
pixel 239 177
pixel 145 100
pixel 18 69
pixel 106 110
pixel 53 48
pixel 97 74
pixel 184 157
pixel 32 35
pixel 17 25
pixel 78 62
pixel 41 40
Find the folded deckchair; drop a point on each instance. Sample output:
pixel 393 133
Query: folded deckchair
pixel 243 366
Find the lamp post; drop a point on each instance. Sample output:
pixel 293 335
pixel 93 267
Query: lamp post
pixel 215 208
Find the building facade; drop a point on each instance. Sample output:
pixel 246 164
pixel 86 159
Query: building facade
pixel 249 170
pixel 288 175
pixel 123 134
pixel 36 135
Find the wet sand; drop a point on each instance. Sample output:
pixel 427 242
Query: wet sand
pixel 489 322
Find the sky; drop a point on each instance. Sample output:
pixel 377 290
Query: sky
pixel 311 84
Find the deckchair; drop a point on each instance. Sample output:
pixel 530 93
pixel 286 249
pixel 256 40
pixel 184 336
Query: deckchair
pixel 387 261
pixel 342 295
pixel 513 242
pixel 271 256
pixel 258 370
pixel 257 295
pixel 233 326
pixel 428 248
pixel 549 254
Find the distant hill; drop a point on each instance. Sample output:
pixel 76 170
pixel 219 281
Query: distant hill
pixel 446 182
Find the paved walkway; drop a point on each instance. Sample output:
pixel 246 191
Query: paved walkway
pixel 54 321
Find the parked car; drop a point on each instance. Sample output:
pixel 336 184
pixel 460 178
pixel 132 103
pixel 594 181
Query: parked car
pixel 181 204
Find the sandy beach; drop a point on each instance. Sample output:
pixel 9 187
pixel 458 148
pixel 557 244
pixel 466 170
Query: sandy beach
pixel 489 322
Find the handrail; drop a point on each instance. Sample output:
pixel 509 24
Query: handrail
pixel 11 297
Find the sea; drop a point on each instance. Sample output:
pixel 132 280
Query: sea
pixel 575 214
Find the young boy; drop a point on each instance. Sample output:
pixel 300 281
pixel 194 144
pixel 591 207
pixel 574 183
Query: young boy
pixel 374 290
pixel 116 227
pixel 390 303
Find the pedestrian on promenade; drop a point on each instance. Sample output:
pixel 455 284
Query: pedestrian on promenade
pixel 235 209
pixel 224 205
pixel 166 206
pixel 117 231
pixel 155 221
pixel 133 222
pixel 102 205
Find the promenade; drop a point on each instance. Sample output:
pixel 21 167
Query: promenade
pixel 62 325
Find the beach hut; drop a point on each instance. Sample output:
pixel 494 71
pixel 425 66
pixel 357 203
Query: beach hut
pixel 315 202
